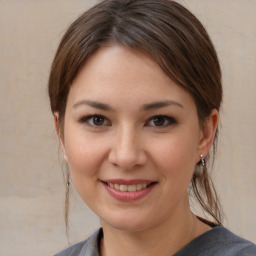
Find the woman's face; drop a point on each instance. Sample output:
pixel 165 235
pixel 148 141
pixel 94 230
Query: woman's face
pixel 132 139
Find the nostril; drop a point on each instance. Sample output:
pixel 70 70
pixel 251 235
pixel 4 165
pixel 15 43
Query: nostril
pixel 127 159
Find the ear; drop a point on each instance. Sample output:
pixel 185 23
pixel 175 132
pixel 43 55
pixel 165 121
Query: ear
pixel 208 133
pixel 60 136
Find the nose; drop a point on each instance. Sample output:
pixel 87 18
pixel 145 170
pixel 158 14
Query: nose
pixel 127 151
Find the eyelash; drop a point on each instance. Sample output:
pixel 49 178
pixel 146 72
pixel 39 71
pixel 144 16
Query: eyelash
pixel 168 121
pixel 89 118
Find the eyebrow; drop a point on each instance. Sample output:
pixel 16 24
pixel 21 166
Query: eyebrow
pixel 93 104
pixel 161 104
pixel 149 106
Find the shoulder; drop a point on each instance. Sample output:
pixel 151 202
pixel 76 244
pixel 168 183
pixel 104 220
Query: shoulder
pixel 219 241
pixel 231 244
pixel 88 247
pixel 73 250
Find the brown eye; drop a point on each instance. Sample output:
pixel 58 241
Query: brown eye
pixel 95 120
pixel 161 121
pixel 98 120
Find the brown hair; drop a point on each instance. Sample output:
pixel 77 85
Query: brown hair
pixel 168 33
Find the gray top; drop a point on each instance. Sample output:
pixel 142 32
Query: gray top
pixel 218 241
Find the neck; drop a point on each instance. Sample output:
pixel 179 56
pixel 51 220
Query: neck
pixel 164 239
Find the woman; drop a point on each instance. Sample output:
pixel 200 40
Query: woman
pixel 135 89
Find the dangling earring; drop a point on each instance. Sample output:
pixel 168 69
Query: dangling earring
pixel 202 165
pixel 202 162
pixel 200 168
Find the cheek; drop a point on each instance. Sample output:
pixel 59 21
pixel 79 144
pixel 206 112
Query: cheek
pixel 84 154
pixel 176 155
pixel 85 157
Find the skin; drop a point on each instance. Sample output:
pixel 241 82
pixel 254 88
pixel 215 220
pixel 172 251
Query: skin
pixel 128 143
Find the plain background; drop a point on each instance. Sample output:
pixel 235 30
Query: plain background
pixel 31 183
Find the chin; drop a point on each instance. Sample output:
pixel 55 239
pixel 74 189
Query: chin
pixel 129 226
pixel 129 222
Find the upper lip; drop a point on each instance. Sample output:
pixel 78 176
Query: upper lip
pixel 128 182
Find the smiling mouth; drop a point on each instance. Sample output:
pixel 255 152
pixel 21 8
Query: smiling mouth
pixel 129 188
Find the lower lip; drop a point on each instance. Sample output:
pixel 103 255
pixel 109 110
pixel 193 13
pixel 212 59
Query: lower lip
pixel 127 196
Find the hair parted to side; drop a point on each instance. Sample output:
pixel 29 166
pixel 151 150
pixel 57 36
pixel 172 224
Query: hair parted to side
pixel 167 32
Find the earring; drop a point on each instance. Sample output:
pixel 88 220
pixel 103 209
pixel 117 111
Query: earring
pixel 202 162
pixel 200 167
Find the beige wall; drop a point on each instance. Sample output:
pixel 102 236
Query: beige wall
pixel 31 187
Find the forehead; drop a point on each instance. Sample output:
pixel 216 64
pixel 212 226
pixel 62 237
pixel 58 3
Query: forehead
pixel 115 73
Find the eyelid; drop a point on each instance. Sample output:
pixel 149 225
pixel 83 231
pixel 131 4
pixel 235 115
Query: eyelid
pixel 168 121
pixel 85 120
pixel 171 121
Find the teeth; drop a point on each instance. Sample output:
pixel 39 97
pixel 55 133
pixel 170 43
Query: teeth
pixel 116 186
pixel 139 186
pixel 130 188
pixel 123 187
